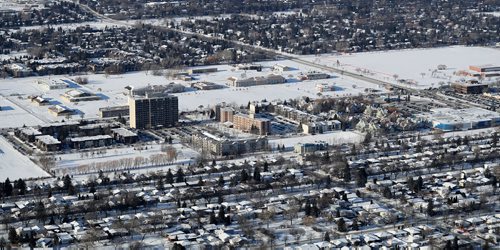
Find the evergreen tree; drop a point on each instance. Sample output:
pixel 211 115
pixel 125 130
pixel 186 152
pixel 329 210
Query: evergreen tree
pixel 307 208
pixel 244 176
pixel 40 211
pixel 13 237
pixel 32 241
pixel 20 185
pixel 212 218
pixel 430 208
pixel 387 193
pixel 341 226
pixel 221 181
pixel 346 173
pixel 455 243
pixel 170 177
pixel 3 243
pixel 266 167
pixel 67 182
pixel 256 174
pixel 7 187
pixel 361 177
pixel 420 184
pixel 222 214
pixel 179 176
pixel 355 225
pixel 327 237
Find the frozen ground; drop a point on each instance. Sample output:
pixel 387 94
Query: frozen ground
pixel 70 163
pixel 332 138
pixel 112 88
pixel 412 64
pixel 13 115
pixel 14 165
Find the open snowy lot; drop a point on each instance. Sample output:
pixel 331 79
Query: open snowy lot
pixel 15 165
pixel 413 64
pixel 84 163
pixel 13 115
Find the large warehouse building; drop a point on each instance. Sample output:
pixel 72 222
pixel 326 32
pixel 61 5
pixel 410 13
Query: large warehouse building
pixel 448 119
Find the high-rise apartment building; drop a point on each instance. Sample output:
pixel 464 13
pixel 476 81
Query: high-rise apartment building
pixel 153 111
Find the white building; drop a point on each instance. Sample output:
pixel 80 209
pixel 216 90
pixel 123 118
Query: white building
pixel 50 84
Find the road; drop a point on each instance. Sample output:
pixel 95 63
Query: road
pixel 424 93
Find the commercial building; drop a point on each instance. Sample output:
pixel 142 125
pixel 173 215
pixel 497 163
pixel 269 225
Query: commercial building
pixel 202 71
pixel 153 111
pixel 256 81
pixel 77 95
pixel 470 87
pixel 256 67
pixel 40 101
pixel 222 146
pixel 325 87
pixel 448 119
pixel 114 112
pixel 51 84
pixel 313 75
pixel 58 110
pixel 281 68
pixel 309 148
pixel 485 68
pixel 206 86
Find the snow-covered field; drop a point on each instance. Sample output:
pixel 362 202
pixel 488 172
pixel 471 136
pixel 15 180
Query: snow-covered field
pixel 19 5
pixel 15 165
pixel 13 115
pixel 332 138
pixel 112 88
pixel 71 163
pixel 412 64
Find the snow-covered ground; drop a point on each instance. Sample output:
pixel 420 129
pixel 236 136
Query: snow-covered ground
pixel 12 55
pixel 494 13
pixel 15 165
pixel 112 88
pixel 72 26
pixel 332 138
pixel 71 162
pixel 13 115
pixel 20 5
pixel 412 64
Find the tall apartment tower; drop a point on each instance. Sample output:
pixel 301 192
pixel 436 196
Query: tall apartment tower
pixel 153 110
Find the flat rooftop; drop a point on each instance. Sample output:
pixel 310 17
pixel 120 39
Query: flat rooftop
pixel 449 115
